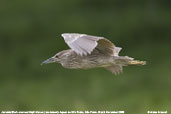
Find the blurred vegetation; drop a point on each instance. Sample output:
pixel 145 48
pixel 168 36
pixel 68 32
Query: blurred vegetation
pixel 30 33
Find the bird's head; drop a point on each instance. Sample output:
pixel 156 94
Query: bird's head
pixel 54 59
pixel 57 58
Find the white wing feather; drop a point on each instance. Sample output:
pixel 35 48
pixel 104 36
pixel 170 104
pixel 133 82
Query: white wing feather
pixel 82 44
pixel 116 51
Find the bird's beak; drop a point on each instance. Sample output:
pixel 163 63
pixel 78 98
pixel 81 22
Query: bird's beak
pixel 50 60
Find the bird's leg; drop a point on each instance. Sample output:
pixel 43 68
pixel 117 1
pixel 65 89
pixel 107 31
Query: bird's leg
pixel 122 60
pixel 125 60
pixel 136 62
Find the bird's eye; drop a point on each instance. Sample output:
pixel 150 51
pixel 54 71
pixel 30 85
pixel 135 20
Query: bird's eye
pixel 56 56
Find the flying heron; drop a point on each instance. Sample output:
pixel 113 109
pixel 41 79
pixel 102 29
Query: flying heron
pixel 89 51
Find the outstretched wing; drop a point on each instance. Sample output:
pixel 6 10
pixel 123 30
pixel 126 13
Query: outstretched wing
pixel 84 44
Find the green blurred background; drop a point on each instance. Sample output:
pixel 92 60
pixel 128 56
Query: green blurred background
pixel 30 32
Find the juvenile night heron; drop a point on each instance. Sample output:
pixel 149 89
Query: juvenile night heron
pixel 89 51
